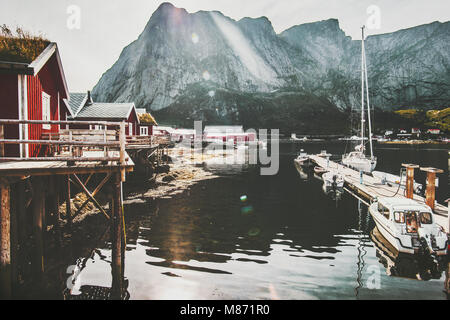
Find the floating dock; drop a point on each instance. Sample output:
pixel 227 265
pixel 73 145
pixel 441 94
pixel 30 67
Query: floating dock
pixel 372 187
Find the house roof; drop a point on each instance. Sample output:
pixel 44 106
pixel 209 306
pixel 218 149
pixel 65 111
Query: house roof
pixel 20 50
pixel 16 65
pixel 141 110
pixel 76 101
pixel 101 110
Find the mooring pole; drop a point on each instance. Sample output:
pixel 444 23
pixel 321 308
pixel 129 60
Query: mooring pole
pixel 116 240
pixel 430 193
pixel 5 242
pixel 38 216
pixel 68 208
pixel 410 179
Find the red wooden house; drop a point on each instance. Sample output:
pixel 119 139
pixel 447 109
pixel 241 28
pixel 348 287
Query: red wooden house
pixel 32 91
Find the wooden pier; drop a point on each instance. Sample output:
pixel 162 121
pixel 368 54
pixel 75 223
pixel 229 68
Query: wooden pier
pixel 372 187
pixel 32 190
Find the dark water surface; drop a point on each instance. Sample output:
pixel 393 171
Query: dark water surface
pixel 285 240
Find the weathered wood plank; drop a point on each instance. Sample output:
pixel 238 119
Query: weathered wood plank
pixel 5 242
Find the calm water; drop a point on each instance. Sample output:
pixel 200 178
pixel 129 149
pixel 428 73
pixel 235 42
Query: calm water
pixel 286 240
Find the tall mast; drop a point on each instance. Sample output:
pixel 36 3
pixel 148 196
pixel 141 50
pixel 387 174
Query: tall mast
pixel 362 90
pixel 368 104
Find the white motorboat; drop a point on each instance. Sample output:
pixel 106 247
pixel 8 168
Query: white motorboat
pixel 408 225
pixel 333 179
pixel 357 159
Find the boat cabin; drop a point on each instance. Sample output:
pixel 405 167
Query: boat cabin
pixel 405 212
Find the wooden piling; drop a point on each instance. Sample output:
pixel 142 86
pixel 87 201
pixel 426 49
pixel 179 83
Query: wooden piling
pixel 116 240
pixel 68 208
pixel 410 179
pixel 5 242
pixel 430 193
pixel 38 217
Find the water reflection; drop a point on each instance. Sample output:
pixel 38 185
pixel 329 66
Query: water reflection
pixel 246 236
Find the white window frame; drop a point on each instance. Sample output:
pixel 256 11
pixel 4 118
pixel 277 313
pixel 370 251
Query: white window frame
pixel 144 131
pixel 46 113
pixel 130 129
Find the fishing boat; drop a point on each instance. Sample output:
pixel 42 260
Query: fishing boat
pixel 357 159
pixel 333 179
pixel 408 225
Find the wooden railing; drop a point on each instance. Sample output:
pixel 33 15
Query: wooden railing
pixel 68 144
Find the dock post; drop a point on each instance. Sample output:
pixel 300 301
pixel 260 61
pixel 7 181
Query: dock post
pixel 68 208
pixel 38 216
pixel 116 241
pixel 5 242
pixel 431 186
pixel 410 179
pixel 361 175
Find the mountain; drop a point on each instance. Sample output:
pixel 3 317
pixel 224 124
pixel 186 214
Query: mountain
pixel 207 66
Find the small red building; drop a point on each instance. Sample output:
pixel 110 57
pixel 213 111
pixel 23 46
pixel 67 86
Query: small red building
pixel 85 109
pixel 32 91
pixel 147 122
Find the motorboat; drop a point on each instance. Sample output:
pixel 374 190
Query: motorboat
pixel 333 179
pixel 408 225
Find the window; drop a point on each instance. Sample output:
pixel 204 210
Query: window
pixel 98 127
pixel 399 217
pixel 45 110
pixel 425 218
pixel 144 131
pixel 383 210
pixel 130 129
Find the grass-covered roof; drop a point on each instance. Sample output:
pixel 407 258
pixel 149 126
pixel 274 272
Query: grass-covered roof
pixel 20 46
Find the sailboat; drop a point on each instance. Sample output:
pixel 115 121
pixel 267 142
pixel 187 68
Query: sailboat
pixel 358 159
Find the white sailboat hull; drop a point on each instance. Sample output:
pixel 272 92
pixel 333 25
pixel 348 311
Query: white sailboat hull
pixel 359 163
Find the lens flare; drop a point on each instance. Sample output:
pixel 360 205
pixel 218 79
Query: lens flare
pixel 246 210
pixel 195 38
pixel 206 75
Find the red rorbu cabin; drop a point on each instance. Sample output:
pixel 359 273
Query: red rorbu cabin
pixel 31 88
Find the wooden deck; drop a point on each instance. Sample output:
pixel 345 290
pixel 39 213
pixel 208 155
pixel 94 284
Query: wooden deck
pixel 372 187
pixel 39 167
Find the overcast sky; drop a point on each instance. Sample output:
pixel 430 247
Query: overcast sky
pixel 106 26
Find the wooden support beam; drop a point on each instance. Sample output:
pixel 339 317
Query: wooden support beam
pixel 5 242
pixel 68 208
pixel 88 178
pixel 116 240
pixel 38 209
pixel 86 191
pixel 105 179
pixel 122 142
pixel 2 136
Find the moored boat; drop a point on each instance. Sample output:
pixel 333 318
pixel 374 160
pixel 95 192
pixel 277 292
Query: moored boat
pixel 357 159
pixel 333 179
pixel 408 225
